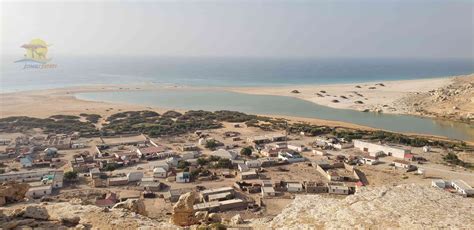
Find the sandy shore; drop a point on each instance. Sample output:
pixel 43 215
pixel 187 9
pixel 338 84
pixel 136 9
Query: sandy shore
pixel 379 96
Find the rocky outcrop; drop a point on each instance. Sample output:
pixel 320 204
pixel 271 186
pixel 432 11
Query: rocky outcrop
pixel 134 205
pixel 403 206
pixel 237 219
pixel 60 215
pixel 11 192
pixel 183 211
pixel 453 101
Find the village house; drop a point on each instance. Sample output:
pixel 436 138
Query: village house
pixel 269 152
pixel 294 187
pixel 108 202
pixel 370 160
pixel 402 164
pixel 150 184
pixel 390 150
pixel 290 156
pixel 276 137
pixel 268 192
pixel 253 163
pixel 220 196
pixel 189 155
pixel 159 172
pixel 438 183
pixel 188 147
pixel 183 177
pixel 59 141
pixel 243 167
pixel 297 147
pixel 338 188
pixel 320 152
pixel 117 181
pixel 134 176
pixel 462 187
pixel 150 152
pixel 224 154
pixel 315 187
pixel 258 140
pixel 39 191
pixel 251 174
pixel 26 162
pixel 206 193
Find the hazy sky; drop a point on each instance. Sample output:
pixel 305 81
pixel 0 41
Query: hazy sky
pixel 352 28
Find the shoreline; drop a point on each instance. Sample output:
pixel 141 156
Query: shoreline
pixel 44 103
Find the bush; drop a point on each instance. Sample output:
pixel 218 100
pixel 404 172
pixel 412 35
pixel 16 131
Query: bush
pixel 246 151
pixel 70 175
pixel 110 167
pixel 211 144
pixel 183 164
pixel 224 163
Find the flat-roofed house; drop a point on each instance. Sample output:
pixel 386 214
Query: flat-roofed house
pixel 258 140
pixel 294 187
pixel 462 187
pixel 370 160
pixel 276 137
pixel 39 191
pixel 390 150
pixel 315 187
pixel 183 177
pixel 438 183
pixel 150 152
pixel 243 167
pixel 338 188
pixel 401 164
pixel 268 191
pixel 251 174
pixel 253 163
pixel 160 173
pixel 224 154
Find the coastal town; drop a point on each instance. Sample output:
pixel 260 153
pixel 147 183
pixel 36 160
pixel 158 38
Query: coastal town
pixel 227 175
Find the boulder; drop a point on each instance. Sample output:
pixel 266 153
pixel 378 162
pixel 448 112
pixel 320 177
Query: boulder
pixel 134 205
pixel 237 219
pixel 36 212
pixel 70 220
pixel 214 217
pixel 183 210
pixel 201 216
pixel 12 192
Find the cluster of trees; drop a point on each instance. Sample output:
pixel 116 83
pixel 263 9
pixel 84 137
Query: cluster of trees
pixel 53 124
pixel 93 118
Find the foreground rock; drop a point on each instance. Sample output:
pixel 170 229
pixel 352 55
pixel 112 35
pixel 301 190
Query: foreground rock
pixel 134 205
pixel 183 210
pixel 11 192
pixel 404 206
pixel 59 215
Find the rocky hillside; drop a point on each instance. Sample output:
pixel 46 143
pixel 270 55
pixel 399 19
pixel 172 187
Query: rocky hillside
pixel 454 101
pixel 66 215
pixel 404 206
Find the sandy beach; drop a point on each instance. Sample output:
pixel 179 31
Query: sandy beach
pixel 370 96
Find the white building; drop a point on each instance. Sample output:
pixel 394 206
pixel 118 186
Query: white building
pixel 462 187
pixel 183 177
pixel 159 173
pixel 134 176
pixel 390 150
pixel 401 164
pixel 224 154
pixel 320 152
pixel 243 167
pixel 294 187
pixel 438 183
pixel 253 163
pixel 297 147
pixel 268 191
pixel 370 160
pixel 40 191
